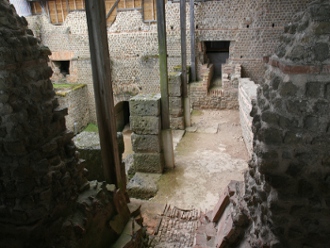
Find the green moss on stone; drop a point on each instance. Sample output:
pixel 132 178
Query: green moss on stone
pixel 91 128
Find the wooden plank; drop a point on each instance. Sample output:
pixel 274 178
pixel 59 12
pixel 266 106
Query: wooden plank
pixel 161 28
pixel 62 11
pixel 56 18
pixel 192 41
pixel 100 60
pixel 112 9
pixel 152 10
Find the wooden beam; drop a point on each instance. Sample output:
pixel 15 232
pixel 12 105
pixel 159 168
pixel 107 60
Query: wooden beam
pixel 128 9
pixel 100 60
pixel 183 27
pixel 183 47
pixel 112 9
pixel 74 4
pixel 192 41
pixel 166 131
pixel 161 27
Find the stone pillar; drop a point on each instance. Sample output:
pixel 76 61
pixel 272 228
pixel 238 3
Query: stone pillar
pixel 145 121
pixel 288 182
pixel 175 101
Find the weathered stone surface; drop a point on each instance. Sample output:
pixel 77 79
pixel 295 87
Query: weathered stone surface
pixel 145 124
pixel 149 162
pixel 145 105
pixel 175 106
pixel 146 143
pixel 174 84
pixel 88 145
pixel 143 185
pixel 177 123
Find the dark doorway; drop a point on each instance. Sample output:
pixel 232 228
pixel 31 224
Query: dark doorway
pixel 217 53
pixel 64 66
pixel 122 115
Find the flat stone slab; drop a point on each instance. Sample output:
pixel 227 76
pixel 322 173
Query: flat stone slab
pixel 87 140
pixel 145 124
pixel 177 136
pixel 145 105
pixel 191 129
pixel 212 130
pixel 148 162
pixel 143 185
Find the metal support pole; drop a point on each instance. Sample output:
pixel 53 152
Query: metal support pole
pixel 166 131
pixel 186 105
pixel 98 40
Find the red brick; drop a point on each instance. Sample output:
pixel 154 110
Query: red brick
pixel 220 207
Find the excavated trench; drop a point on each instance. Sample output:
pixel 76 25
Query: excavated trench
pixel 209 155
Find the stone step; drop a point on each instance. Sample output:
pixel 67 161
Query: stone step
pixel 143 185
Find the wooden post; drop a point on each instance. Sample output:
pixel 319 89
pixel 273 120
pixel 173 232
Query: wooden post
pixel 166 131
pixel 183 27
pixel 98 40
pixel 192 41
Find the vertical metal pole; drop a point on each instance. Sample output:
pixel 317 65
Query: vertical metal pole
pixel 192 41
pixel 166 131
pixel 98 40
pixel 186 105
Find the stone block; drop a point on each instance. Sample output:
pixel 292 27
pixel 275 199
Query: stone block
pixel 146 143
pixel 176 112
pixel 143 185
pixel 175 102
pixel 149 162
pixel 174 84
pixel 145 124
pixel 177 123
pixel 145 105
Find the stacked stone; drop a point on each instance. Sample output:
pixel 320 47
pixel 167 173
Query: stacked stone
pixel 287 185
pixel 175 100
pixel 45 199
pixel 145 122
pixel 247 93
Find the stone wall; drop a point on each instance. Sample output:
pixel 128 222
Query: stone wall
pixel 75 100
pixel 287 185
pixel 252 27
pixel 247 93
pixel 45 199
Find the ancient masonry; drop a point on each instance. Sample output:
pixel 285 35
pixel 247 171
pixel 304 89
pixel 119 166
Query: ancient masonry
pixel 175 101
pixel 285 198
pixel 148 157
pixel 45 199
pixel 252 27
pixel 287 185
pixel 247 94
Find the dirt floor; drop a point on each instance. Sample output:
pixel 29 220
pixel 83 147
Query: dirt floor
pixel 210 154
pixel 205 161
